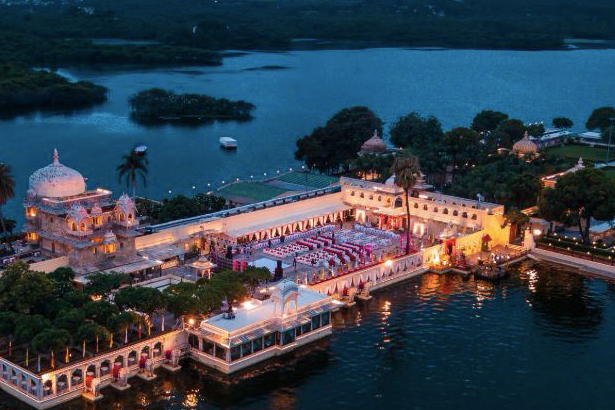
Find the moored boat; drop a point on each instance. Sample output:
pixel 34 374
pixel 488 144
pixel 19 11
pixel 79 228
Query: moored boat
pixel 228 142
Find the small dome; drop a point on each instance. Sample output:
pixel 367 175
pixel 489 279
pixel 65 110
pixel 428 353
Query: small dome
pixel 96 210
pixel 57 180
pixel 374 145
pixel 109 238
pixel 390 181
pixel 525 146
pixel 284 288
pixel 126 204
pixel 78 213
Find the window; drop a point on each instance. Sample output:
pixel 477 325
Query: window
pixel 208 347
pixel 474 217
pixel 298 331
pixel 435 209
pixel 235 352
pixel 379 198
pixel 220 352
pixel 455 213
pixel 288 336
pixel 306 327
pixel 315 322
pixel 445 212
pixel 246 349
pixel 257 344
pixel 352 193
pixel 416 206
pixel 464 215
pixel 269 340
pixel 193 341
pixel 424 207
pixel 362 195
pixel 325 318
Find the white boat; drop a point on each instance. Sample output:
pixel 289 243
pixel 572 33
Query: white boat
pixel 140 149
pixel 228 142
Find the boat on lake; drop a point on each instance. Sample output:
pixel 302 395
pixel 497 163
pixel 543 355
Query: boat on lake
pixel 140 149
pixel 228 142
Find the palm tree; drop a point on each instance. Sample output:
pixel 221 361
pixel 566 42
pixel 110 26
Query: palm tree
pixel 134 165
pixel 406 169
pixel 7 190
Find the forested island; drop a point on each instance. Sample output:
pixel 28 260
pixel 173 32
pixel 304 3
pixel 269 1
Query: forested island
pixel 23 89
pixel 260 24
pixel 157 106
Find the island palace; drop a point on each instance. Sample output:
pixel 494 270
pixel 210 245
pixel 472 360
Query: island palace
pixel 326 246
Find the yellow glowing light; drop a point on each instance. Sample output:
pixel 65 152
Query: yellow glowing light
pixel 537 232
pixel 248 304
pixel 191 321
pixel 388 263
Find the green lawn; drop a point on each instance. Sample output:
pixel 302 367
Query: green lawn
pixel 258 191
pixel 581 151
pixel 308 179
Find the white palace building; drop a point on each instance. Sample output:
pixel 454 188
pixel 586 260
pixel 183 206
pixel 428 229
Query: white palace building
pixel 90 230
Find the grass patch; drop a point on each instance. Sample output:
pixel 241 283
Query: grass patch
pixel 574 151
pixel 308 179
pixel 258 191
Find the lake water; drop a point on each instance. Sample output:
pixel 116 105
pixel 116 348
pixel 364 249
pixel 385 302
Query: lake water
pixel 451 84
pixel 542 339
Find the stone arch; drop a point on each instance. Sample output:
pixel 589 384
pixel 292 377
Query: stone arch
pixel 91 370
pixel 132 358
pixel 62 383
pixel 47 387
pixel 121 216
pixel 105 367
pixel 398 202
pixel 73 226
pixel 145 351
pixel 157 351
pixel 119 360
pixel 76 377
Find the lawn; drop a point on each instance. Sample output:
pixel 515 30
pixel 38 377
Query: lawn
pixel 581 151
pixel 308 179
pixel 258 191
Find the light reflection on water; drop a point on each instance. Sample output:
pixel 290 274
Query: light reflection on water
pixel 541 339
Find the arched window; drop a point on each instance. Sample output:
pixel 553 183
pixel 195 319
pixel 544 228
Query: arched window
pixel 130 217
pixel 445 212
pixel 474 217
pixel 379 198
pixel 464 215
pixel 455 213
pixel 352 193
pixel 416 206
pixel 73 226
pixel 121 216
pixel 425 208
pixel 82 227
pixel 398 202
pixel 435 209
pixel 362 195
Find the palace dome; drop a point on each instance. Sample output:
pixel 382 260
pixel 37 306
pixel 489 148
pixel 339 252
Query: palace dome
pixel 374 145
pixel 57 180
pixel 525 146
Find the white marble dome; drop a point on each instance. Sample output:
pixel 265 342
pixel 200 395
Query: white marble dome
pixel 57 180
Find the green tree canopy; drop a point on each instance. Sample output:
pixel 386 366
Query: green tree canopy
pixel 51 340
pixel 507 133
pixel 337 143
pixel 228 283
pixel 100 311
pixel 562 122
pixel 460 147
pixel 413 130
pixel 600 119
pixel 551 208
pixel 488 120
pixel 70 320
pixel 535 130
pixel 28 326
pixel 406 169
pixel 103 283
pixel 90 331
pixel 586 194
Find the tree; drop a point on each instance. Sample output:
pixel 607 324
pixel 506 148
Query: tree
pixel 7 191
pixel 253 276
pixel 50 340
pixel 63 279
pixel 535 130
pixel 122 321
pixel 600 119
pixel 28 326
pixel 488 120
pixel 406 169
pixel 413 130
pixel 101 284
pixel 23 290
pixel 93 333
pixel 516 219
pixel 145 300
pixel 134 165
pixel 228 283
pixel 70 320
pixel 507 133
pixel 8 323
pixel 586 194
pixel 460 146
pixel 562 122
pixel 100 311
pixel 337 143
pixel 551 208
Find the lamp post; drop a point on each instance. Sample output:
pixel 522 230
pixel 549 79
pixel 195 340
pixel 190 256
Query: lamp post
pixel 608 148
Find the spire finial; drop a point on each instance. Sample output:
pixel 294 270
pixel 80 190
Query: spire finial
pixel 56 157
